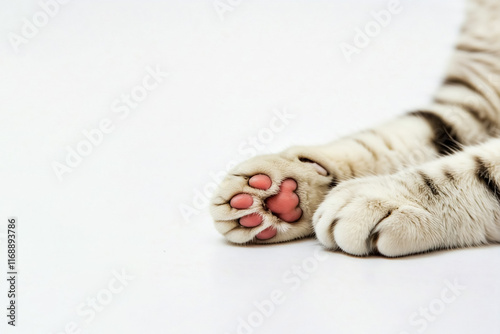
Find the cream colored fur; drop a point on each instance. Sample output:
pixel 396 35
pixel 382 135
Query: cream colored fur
pixel 407 215
pixel 427 180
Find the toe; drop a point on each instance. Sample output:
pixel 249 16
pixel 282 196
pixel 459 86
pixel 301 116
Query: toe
pixel 268 233
pixel 260 181
pixel 241 201
pixel 288 185
pixel 251 220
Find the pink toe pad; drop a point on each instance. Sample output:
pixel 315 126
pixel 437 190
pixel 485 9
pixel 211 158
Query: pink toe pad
pixel 251 220
pixel 260 181
pixel 288 185
pixel 268 233
pixel 241 201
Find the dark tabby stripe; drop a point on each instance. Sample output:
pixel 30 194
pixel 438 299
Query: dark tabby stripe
pixel 366 147
pixel 445 139
pixel 453 81
pixel 429 183
pixel 351 169
pixel 484 175
pixel 333 183
pixel 469 48
pixel 449 175
pixel 464 107
pixel 481 117
pixel 386 141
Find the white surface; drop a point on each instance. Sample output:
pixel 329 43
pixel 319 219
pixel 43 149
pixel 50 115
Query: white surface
pixel 120 208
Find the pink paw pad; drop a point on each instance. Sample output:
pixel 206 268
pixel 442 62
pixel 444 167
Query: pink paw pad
pixel 241 201
pixel 251 220
pixel 285 203
pixel 268 233
pixel 260 181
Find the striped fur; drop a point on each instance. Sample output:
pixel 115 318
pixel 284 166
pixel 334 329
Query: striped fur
pixel 450 202
pixel 428 180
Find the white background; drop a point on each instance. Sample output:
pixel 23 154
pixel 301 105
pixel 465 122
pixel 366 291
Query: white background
pixel 120 208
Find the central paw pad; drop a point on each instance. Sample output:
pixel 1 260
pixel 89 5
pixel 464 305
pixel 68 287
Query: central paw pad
pixel 284 205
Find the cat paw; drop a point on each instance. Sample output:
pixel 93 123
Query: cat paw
pixel 376 215
pixel 270 198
